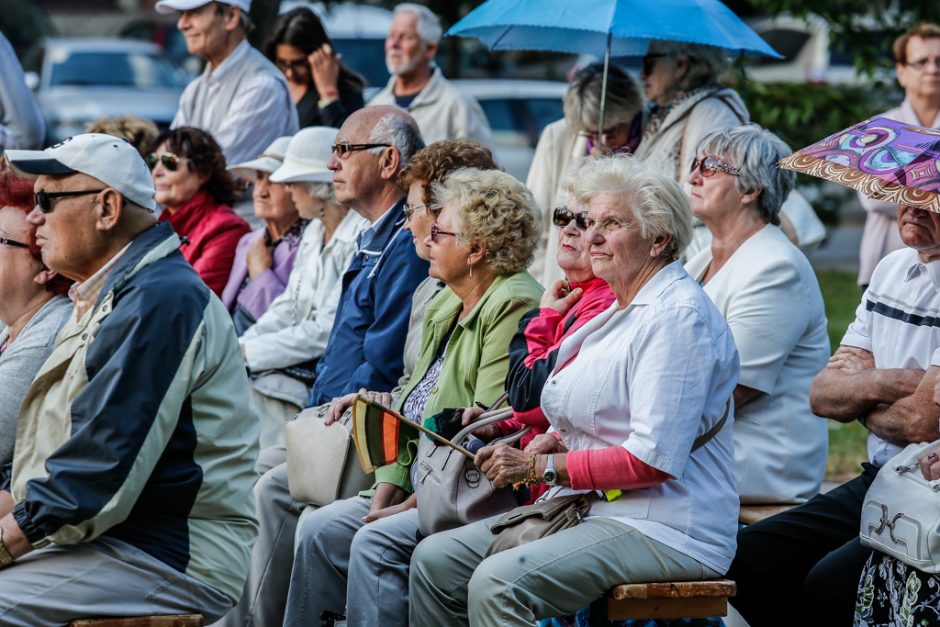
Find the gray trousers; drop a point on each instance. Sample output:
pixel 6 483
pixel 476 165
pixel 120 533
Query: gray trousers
pixel 451 583
pixel 338 556
pixel 104 577
pixel 263 598
pixel 272 414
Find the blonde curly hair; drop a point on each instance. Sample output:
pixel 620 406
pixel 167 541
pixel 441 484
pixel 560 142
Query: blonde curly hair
pixel 496 210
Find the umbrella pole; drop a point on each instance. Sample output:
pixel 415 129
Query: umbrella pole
pixel 600 125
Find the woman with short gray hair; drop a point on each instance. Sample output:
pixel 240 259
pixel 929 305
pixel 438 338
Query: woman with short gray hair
pixel 768 293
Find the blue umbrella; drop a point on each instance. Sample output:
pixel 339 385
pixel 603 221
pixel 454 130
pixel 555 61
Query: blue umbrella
pixel 608 27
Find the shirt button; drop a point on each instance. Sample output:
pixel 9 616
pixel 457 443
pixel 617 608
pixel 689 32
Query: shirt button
pixel 554 381
pixel 434 390
pixel 84 336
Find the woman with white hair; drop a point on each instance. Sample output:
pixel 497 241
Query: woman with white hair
pixel 768 293
pixel 282 347
pixel 574 137
pixel 632 415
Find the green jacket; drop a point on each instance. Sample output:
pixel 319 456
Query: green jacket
pixel 477 357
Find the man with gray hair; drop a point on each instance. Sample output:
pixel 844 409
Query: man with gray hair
pixel 418 86
pixel 367 342
pixel 241 98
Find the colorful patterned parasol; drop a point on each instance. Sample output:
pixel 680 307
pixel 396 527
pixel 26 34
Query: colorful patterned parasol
pixel 882 158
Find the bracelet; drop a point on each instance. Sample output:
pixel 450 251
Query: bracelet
pixel 530 477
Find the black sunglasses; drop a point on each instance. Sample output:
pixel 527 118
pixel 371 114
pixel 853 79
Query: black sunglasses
pixel 12 243
pixel 170 161
pixel 649 61
pixel 345 148
pixel 44 199
pixel 562 216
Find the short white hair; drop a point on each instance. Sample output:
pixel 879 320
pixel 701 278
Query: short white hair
pixel 658 203
pixel 321 190
pixel 429 25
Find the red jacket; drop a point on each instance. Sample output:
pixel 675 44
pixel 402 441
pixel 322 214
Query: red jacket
pixel 211 233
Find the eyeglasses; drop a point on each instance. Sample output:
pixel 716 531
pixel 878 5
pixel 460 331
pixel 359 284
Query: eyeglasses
pixel 921 64
pixel 12 243
pixel 431 209
pixel 44 199
pixel 562 216
pixel 170 161
pixel 341 150
pixel 649 61
pixel 710 166
pixel 436 231
pixel 296 66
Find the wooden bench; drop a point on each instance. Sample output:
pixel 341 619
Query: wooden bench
pixel 751 514
pixel 174 620
pixel 670 599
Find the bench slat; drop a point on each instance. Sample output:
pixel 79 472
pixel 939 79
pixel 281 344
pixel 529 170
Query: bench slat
pixel 714 588
pixel 751 514
pixel 666 608
pixel 176 620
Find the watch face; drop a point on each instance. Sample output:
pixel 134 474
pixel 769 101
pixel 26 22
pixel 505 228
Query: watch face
pixel 550 477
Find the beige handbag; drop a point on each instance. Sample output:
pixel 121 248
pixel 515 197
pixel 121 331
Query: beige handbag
pixel 901 513
pixel 322 466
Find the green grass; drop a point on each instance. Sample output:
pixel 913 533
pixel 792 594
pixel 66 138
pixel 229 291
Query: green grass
pixel 846 441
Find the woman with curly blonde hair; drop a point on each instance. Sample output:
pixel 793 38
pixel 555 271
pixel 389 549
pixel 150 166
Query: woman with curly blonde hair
pixel 480 245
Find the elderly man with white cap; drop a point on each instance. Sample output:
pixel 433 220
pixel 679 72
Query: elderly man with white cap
pixel 282 347
pixel 241 98
pixel 132 472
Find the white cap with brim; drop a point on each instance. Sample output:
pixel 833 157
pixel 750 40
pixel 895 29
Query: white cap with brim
pixel 171 6
pixel 111 160
pixel 307 157
pixel 268 161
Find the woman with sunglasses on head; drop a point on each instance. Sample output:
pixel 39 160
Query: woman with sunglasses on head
pixel 33 307
pixel 324 90
pixel 265 257
pixel 564 142
pixel 768 293
pixel 480 244
pixel 196 193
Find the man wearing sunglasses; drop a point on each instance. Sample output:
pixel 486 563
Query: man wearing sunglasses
pixel 134 465
pixel 241 98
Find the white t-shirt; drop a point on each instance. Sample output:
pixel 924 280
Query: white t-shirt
pixel 651 378
pixel 770 297
pixel 898 321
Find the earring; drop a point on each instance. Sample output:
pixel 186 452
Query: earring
pixel 471 267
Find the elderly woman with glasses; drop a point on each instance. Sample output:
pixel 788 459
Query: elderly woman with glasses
pixel 33 307
pixel 196 193
pixel 768 293
pixel 632 415
pixel 479 245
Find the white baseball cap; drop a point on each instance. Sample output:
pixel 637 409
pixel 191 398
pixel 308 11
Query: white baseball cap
pixel 170 6
pixel 269 160
pixel 307 155
pixel 111 160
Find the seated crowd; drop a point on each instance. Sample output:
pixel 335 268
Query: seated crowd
pixel 153 348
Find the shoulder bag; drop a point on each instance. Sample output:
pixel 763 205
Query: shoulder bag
pixel 901 512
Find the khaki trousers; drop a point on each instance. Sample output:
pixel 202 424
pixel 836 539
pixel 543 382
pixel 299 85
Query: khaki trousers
pixel 451 583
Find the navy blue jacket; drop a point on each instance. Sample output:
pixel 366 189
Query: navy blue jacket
pixel 368 338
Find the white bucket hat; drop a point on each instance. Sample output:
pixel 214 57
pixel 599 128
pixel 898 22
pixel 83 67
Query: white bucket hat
pixel 307 155
pixel 111 160
pixel 170 6
pixel 268 161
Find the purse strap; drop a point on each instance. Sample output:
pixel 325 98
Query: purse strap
pixel 703 439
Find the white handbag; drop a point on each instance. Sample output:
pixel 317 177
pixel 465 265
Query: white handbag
pixel 901 512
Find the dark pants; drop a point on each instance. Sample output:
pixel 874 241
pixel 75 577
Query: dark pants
pixel 802 567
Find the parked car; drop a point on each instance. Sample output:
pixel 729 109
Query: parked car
pixel 517 111
pixel 78 81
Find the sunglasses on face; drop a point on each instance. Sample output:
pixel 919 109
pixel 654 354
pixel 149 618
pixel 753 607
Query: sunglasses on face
pixel 296 66
pixel 437 231
pixel 710 166
pixel 12 243
pixel 341 150
pixel 44 200
pixel 649 62
pixel 170 161
pixel 562 216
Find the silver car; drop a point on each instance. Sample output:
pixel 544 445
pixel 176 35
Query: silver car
pixel 77 81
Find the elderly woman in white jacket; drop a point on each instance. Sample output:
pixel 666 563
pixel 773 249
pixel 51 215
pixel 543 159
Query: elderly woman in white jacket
pixel 282 347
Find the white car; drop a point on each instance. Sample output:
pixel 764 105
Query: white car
pixel 517 111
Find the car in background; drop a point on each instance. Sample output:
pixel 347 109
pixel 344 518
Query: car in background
pixel 518 111
pixel 77 81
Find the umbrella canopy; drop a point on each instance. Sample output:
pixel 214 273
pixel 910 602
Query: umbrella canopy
pixel 882 158
pixel 591 26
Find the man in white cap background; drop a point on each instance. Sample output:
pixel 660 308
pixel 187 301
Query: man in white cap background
pixel 133 467
pixel 241 98
pixel 419 87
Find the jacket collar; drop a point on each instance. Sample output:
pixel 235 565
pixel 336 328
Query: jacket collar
pixel 193 212
pixel 155 243
pixel 658 283
pixel 451 308
pixel 377 238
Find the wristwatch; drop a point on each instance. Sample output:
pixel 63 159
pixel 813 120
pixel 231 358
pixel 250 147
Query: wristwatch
pixel 5 558
pixel 550 477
